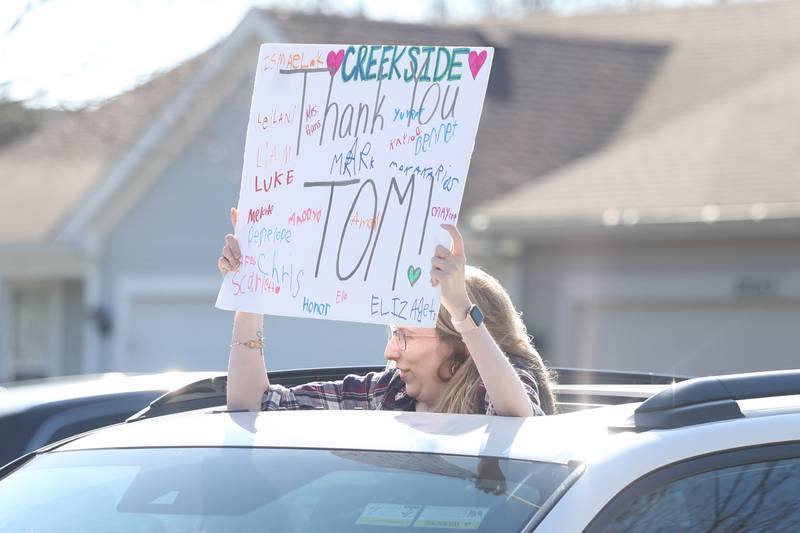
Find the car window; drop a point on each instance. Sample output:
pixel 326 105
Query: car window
pixel 272 490
pixel 16 430
pixel 753 497
pixel 91 413
pixel 52 421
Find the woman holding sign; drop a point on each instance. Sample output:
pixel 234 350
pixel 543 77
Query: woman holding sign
pixel 478 359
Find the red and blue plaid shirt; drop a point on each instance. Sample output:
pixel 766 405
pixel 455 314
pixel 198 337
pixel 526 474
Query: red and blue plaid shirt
pixel 375 390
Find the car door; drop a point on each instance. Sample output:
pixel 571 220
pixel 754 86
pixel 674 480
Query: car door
pixel 748 489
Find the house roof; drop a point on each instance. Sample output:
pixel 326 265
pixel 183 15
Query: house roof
pixel 733 159
pixel 45 175
pixel 550 99
pixel 538 108
pixel 713 50
pixel 713 138
pixel 562 90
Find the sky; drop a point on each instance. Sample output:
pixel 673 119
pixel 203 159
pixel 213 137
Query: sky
pixel 72 53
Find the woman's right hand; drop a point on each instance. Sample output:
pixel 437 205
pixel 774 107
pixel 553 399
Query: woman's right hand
pixel 231 258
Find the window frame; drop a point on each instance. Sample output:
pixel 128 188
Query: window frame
pixel 50 331
pixel 686 468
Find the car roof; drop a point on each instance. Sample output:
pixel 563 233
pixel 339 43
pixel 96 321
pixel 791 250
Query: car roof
pixel 404 431
pixel 577 436
pixel 16 397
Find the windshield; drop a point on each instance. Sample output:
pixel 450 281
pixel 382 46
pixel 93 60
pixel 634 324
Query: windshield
pixel 193 490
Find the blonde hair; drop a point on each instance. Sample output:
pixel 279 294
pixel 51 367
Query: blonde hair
pixel 509 332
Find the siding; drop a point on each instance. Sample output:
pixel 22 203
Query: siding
pixel 568 286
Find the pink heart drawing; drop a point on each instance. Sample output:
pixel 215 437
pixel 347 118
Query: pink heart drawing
pixel 476 61
pixel 335 61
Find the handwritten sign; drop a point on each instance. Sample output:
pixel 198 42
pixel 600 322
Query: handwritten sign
pixel 355 156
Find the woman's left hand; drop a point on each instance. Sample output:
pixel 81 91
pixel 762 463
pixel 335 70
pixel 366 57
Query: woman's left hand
pixel 447 271
pixel 489 477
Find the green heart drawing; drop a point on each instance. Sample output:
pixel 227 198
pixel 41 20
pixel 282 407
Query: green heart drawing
pixel 414 274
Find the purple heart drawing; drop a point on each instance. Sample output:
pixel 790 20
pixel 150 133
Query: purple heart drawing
pixel 335 61
pixel 476 61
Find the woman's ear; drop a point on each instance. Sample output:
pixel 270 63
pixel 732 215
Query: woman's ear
pixel 446 370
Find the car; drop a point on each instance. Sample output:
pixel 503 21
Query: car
pixel 34 413
pixel 706 454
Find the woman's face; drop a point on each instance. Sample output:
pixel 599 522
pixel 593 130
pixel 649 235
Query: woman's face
pixel 420 361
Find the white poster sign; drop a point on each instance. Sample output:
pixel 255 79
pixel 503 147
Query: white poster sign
pixel 355 156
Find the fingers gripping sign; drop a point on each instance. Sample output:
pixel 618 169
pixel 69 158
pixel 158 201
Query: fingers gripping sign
pixel 457 247
pixel 231 257
pixel 447 272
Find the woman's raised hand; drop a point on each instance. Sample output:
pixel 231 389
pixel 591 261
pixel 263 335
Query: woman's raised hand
pixel 447 271
pixel 231 258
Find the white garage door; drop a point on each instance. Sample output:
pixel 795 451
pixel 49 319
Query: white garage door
pixel 687 338
pixel 176 334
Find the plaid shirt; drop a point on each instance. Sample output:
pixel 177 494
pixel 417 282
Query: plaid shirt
pixel 375 390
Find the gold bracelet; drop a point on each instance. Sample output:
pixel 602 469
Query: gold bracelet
pixel 253 343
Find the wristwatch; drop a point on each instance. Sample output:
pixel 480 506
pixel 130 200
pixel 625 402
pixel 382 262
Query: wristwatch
pixel 473 320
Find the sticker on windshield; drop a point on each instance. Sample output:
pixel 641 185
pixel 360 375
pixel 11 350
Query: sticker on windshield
pixel 451 517
pixel 388 514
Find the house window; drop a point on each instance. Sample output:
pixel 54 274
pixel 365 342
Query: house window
pixel 33 342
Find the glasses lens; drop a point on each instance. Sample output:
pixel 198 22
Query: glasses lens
pixel 400 338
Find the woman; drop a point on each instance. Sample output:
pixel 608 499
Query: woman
pixel 478 359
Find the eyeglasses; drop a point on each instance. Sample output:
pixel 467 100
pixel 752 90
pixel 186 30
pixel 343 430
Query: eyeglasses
pixel 402 337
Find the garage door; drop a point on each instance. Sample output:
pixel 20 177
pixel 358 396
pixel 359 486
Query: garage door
pixel 687 338
pixel 176 334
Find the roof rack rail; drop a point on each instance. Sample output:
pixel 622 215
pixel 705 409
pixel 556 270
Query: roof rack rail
pixel 574 376
pixel 711 399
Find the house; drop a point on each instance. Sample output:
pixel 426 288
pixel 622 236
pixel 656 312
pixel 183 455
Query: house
pixel 112 219
pixel 674 248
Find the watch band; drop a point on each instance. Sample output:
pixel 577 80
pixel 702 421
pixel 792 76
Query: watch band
pixel 473 320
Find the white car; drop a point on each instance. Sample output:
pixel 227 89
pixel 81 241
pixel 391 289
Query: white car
pixel 707 454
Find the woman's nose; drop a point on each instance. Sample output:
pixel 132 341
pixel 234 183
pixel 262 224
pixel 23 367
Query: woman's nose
pixel 392 350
